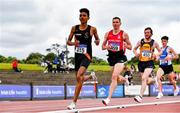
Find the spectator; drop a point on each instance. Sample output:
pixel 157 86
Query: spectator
pixel 49 67
pixel 62 55
pixel 15 66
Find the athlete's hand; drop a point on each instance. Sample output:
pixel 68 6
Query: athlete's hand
pixel 154 56
pixel 108 47
pixel 125 45
pixel 97 42
pixel 157 58
pixel 137 55
pixel 76 43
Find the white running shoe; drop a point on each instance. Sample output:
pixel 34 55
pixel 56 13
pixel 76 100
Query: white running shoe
pixel 93 76
pixel 138 99
pixel 106 101
pixel 72 106
pixel 176 91
pixel 160 95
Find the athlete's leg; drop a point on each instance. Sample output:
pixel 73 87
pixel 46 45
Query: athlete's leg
pixel 145 76
pixel 171 78
pixel 118 68
pixel 150 80
pixel 121 79
pixel 178 76
pixel 159 74
pixel 87 77
pixel 80 80
pixel 90 76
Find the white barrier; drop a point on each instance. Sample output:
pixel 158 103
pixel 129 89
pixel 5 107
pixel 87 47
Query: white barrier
pixel 135 90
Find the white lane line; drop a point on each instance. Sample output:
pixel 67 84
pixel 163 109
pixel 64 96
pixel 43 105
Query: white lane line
pixel 111 107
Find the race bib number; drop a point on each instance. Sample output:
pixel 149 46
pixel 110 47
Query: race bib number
pixel 146 54
pixel 82 49
pixel 114 46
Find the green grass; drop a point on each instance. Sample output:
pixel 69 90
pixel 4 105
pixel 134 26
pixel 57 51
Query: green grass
pixel 99 67
pixel 108 68
pixel 34 67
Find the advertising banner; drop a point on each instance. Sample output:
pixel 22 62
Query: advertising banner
pixel 48 91
pixel 166 89
pixel 87 91
pixel 15 91
pixel 103 91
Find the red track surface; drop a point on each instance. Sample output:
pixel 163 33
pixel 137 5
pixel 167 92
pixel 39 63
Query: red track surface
pixel 57 105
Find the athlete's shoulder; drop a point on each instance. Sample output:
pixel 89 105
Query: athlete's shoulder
pixel 109 33
pixel 141 41
pixel 124 33
pixel 93 28
pixel 170 48
pixel 75 26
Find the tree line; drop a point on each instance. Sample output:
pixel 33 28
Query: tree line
pixel 37 58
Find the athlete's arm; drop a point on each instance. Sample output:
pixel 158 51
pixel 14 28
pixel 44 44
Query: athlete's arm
pixel 97 40
pixel 156 45
pixel 174 54
pixel 128 43
pixel 69 41
pixel 104 46
pixel 135 49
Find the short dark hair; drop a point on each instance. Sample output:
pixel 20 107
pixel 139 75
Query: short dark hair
pixel 149 28
pixel 165 38
pixel 117 18
pixel 84 10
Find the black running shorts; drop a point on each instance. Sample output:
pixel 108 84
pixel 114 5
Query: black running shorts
pixel 167 69
pixel 81 60
pixel 142 65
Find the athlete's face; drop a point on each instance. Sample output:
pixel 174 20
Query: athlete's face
pixel 116 24
pixel 164 42
pixel 147 34
pixel 83 17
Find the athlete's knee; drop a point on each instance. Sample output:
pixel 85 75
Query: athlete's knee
pixel 159 78
pixel 121 79
pixel 171 77
pixel 80 72
pixel 79 78
pixel 114 77
pixel 172 81
pixel 144 78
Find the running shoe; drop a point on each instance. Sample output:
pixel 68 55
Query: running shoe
pixel 106 101
pixel 72 106
pixel 176 91
pixel 93 75
pixel 138 99
pixel 160 95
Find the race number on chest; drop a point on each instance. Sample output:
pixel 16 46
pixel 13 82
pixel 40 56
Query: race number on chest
pixel 82 49
pixel 146 54
pixel 114 46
